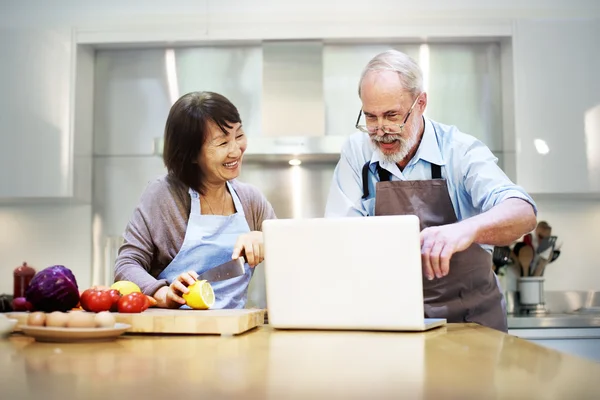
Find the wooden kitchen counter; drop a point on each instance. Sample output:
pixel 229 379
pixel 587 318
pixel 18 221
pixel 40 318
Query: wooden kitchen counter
pixel 458 361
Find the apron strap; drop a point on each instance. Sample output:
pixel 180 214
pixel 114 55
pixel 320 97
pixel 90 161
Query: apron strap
pixel 384 176
pixel 236 200
pixel 195 197
pixel 436 171
pixel 365 180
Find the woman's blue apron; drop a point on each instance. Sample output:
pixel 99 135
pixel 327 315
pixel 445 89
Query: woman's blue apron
pixel 209 241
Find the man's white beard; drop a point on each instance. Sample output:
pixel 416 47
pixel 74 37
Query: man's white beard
pixel 406 146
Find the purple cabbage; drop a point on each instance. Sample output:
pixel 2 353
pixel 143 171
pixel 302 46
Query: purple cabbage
pixel 53 289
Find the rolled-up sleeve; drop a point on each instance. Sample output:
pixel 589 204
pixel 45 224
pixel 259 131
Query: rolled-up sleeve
pixel 345 192
pixel 485 182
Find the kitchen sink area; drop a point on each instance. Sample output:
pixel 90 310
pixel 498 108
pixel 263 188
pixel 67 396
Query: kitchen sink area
pixel 568 321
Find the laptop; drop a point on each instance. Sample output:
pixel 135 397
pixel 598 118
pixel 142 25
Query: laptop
pixel 351 273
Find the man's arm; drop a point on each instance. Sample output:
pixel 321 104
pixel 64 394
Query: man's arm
pixel 507 213
pixel 503 224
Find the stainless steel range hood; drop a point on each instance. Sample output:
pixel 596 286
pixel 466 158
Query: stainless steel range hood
pixel 298 99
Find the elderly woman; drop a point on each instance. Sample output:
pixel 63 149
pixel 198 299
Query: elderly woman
pixel 197 216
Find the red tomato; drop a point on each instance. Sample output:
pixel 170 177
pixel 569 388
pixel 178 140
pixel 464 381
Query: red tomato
pixel 132 303
pixel 115 295
pixel 96 300
pixel 84 298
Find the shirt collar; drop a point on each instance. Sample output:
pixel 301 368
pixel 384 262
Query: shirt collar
pixel 428 151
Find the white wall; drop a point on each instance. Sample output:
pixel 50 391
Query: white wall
pixel 43 236
pixel 49 234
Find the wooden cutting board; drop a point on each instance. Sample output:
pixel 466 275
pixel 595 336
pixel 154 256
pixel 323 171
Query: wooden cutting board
pixel 156 320
pixel 199 322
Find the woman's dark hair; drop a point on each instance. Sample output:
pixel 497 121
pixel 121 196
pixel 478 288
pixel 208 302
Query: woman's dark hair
pixel 186 131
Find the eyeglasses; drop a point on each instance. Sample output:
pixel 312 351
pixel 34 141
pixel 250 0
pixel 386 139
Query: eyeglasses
pixel 388 128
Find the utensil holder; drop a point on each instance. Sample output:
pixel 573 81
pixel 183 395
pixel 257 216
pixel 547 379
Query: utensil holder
pixel 531 290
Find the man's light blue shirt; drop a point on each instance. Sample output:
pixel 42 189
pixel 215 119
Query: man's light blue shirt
pixel 475 181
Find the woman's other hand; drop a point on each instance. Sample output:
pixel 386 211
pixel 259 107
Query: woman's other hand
pixel 170 296
pixel 251 246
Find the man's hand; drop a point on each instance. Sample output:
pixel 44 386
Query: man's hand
pixel 251 244
pixel 439 243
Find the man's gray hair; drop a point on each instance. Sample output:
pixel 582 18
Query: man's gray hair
pixel 408 70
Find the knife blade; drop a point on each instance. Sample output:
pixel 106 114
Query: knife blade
pixel 228 270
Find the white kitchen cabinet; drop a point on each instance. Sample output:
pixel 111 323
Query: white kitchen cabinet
pixel 586 348
pixel 45 122
pixel 35 74
pixel 557 105
pixel 581 342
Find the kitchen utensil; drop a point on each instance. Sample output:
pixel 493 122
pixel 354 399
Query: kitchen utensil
pixel 546 243
pixel 550 255
pixel 524 270
pixel 501 256
pixel 228 270
pixel 540 269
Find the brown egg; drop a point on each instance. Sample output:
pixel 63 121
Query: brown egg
pixel 104 319
pixel 57 319
pixel 81 319
pixel 37 318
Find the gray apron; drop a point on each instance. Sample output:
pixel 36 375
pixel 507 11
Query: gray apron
pixel 470 292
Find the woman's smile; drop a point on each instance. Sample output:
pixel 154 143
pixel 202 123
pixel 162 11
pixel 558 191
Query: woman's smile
pixel 231 165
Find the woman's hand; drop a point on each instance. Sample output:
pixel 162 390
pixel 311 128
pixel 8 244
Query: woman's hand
pixel 170 296
pixel 251 245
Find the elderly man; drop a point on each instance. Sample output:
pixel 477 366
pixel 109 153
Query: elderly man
pixel 404 163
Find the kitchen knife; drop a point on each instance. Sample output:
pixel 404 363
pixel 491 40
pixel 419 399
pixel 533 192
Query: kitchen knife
pixel 228 270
